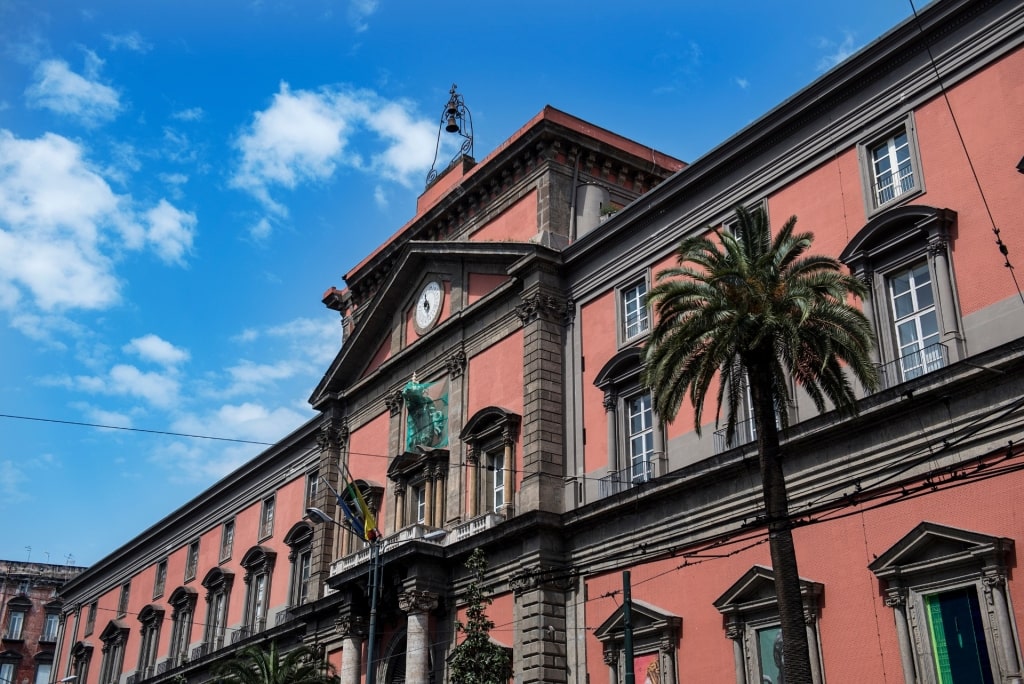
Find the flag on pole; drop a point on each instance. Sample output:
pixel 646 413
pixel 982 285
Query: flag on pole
pixel 357 512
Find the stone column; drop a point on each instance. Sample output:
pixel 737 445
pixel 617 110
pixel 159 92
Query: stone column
pixel 417 604
pixel 508 438
pixel 428 496
pixel 399 513
pixel 939 253
pixel 812 646
pixel 734 631
pixel 353 633
pixel 472 463
pixel 439 491
pixel 611 659
pixel 666 656
pixel 611 403
pixel 896 598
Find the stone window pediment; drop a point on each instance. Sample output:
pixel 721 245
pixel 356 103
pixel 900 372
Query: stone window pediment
pixel 300 534
pixel 656 634
pixel 647 620
pixel 217 578
pixel 930 547
pixel 259 559
pixel 621 369
pixel 755 592
pixel 151 613
pixel 183 596
pixel 115 629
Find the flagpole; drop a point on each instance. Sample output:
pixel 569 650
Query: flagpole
pixel 371 673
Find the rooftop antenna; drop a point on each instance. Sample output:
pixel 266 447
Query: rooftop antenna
pixel 455 118
pixel 28 554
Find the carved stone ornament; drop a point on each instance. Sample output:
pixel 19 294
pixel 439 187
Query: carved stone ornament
pixel 350 626
pixel 537 305
pixel 895 599
pixel 417 601
pixel 394 402
pixel 456 363
pixel 611 656
pixel 333 435
pixel 541 577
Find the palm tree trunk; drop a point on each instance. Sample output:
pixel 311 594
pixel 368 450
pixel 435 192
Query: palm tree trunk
pixel 796 652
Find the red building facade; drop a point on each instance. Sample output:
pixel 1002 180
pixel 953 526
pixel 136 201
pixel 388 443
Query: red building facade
pixel 487 395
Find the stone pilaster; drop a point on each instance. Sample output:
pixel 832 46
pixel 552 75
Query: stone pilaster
pixel 332 439
pixel 417 605
pixel 540 596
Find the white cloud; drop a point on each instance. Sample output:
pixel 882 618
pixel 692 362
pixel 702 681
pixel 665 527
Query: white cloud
pixel 158 389
pixel 132 41
pixel 359 11
pixel 261 230
pixel 12 479
pixel 380 197
pixel 171 231
pixel 837 51
pixel 303 136
pixel 190 114
pixel 62 228
pixel 61 90
pixel 742 83
pixel 156 349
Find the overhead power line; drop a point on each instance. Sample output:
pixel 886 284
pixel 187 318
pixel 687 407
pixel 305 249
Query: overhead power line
pixel 131 429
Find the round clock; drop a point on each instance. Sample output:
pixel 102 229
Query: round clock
pixel 428 306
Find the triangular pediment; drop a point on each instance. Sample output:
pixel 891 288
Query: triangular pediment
pixel 396 293
pixel 645 619
pixel 755 591
pixel 930 546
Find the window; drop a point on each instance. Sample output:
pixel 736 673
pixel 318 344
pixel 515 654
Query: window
pixel 151 618
pixel 259 565
pixel 890 166
pixel 635 443
pixel 218 590
pixel 952 611
pixel 122 601
pixel 915 321
pixel 6 673
pixel 192 561
pixel 23 587
pixel 183 606
pixel 51 624
pixel 640 421
pixel 227 540
pixel 490 436
pixel 267 518
pixel 419 494
pixel 903 256
pixel 160 581
pixel 751 621
pixel 312 488
pixel 43 672
pixel 300 540
pixel 90 619
pixel 655 634
pixel 633 310
pixel 114 637
pixel 81 656
pixel 496 474
pixel 15 623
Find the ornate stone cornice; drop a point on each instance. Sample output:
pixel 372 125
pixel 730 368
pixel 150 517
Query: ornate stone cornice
pixel 548 577
pixel 417 601
pixel 350 626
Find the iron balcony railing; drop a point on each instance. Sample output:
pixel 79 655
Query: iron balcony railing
pixel 746 432
pixel 621 480
pixel 913 365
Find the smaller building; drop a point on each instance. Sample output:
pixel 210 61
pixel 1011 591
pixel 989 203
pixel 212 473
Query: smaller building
pixel 30 618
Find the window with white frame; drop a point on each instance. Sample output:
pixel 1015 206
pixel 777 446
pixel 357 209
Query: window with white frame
pixel 267 518
pixel 633 310
pixel 43 669
pixel 640 436
pixel 15 622
pixel 300 540
pixel 227 539
pixel 953 612
pixel 634 433
pixel 312 488
pixel 496 476
pixel 891 165
pixel 751 621
pixel 7 672
pixel 490 436
pixel 419 501
pixel 903 256
pixel 192 561
pixel 51 625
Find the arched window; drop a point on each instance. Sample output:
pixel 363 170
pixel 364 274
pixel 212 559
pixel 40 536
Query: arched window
pixel 114 638
pixel 183 608
pixel 903 256
pixel 259 567
pixel 151 618
pixel 300 540
pixel 490 437
pixel 218 591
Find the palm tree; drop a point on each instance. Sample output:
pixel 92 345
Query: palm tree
pixel 756 311
pixel 254 665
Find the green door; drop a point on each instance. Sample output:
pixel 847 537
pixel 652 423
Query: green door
pixel 958 637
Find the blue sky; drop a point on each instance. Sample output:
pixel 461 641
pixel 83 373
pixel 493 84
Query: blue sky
pixel 181 181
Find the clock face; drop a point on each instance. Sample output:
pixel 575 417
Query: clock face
pixel 428 305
